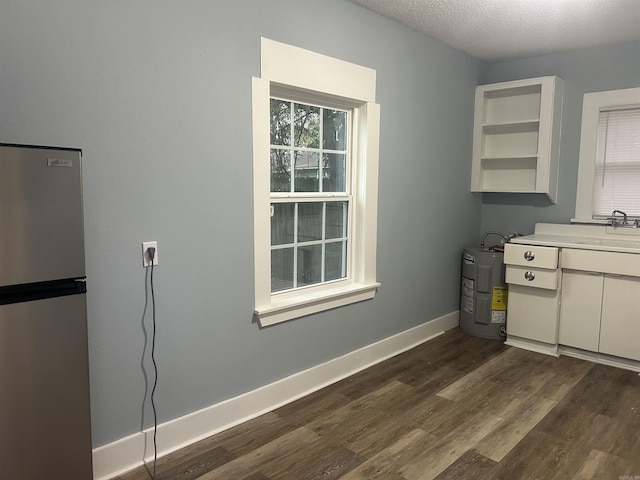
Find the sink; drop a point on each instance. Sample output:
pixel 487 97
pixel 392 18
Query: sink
pixel 607 242
pixel 590 243
pixel 587 241
pixel 619 243
pixel 586 237
pixel 630 231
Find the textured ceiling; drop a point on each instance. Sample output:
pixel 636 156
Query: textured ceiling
pixel 496 30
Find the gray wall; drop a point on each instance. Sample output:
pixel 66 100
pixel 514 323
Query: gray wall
pixel 157 94
pixel 587 70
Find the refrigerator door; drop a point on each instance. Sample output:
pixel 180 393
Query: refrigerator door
pixel 44 390
pixel 41 221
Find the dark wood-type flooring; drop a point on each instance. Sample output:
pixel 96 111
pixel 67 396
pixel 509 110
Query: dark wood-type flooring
pixel 457 407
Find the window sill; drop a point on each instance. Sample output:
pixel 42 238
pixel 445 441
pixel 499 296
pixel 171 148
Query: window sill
pixel 587 221
pixel 283 309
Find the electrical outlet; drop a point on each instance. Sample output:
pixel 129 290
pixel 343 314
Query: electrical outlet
pixel 146 257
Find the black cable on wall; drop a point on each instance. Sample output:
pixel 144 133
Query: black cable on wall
pixel 152 252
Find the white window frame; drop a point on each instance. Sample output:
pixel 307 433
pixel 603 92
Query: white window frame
pixel 308 76
pixel 593 103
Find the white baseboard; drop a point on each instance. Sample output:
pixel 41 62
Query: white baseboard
pixel 129 452
pixel 532 345
pixel 619 362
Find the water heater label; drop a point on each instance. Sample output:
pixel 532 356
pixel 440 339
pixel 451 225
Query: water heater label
pixel 59 162
pixel 466 304
pixel 468 259
pixel 467 286
pixel 499 316
pixel 499 298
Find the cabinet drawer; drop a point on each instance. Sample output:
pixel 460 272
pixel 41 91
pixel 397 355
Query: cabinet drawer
pixel 532 277
pixel 531 256
pixel 598 261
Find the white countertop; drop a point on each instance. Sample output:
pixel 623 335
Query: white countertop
pixel 586 237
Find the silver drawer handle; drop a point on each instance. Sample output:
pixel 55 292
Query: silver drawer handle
pixel 529 255
pixel 529 276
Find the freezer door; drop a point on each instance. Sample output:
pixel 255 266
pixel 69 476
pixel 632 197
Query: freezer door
pixel 41 220
pixel 44 390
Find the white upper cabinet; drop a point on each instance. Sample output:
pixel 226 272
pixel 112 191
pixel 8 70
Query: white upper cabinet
pixel 516 137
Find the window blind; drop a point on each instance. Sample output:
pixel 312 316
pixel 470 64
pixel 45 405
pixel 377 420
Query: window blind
pixel 617 179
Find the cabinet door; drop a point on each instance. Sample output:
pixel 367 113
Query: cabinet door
pixel 620 325
pixel 580 309
pixel 532 313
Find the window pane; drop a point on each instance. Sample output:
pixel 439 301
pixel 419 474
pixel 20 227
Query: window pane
pixel 334 129
pixel 309 265
pixel 334 264
pixel 333 172
pixel 306 125
pixel 309 221
pixel 617 189
pixel 280 122
pixel 282 223
pixel 281 269
pixel 336 220
pixel 306 167
pixel 308 155
pixel 280 170
pixel 617 179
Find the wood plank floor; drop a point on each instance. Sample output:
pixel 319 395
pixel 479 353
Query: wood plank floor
pixel 457 407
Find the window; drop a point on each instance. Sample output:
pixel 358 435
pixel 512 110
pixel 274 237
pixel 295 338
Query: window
pixel 310 194
pixel 617 180
pixel 609 168
pixel 315 172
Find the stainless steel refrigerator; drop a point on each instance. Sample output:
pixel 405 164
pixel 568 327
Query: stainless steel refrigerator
pixel 45 426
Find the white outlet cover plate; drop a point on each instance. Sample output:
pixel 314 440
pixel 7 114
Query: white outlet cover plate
pixel 146 260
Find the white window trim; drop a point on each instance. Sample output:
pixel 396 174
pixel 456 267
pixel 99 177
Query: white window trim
pixel 287 67
pixel 592 104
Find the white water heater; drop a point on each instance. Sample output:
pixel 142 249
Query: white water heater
pixel 483 293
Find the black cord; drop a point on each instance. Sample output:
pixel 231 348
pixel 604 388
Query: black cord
pixel 155 368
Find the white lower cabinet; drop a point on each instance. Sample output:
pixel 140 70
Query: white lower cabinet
pixel 598 313
pixel 580 309
pixel 533 313
pixel 620 325
pixel 534 300
pixel 575 290
pixel 579 298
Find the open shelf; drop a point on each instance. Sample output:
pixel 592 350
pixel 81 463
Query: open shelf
pixel 519 173
pixel 516 137
pixel 510 144
pixel 512 104
pixel 532 125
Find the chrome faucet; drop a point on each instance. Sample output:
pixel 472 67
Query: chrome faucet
pixel 614 220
